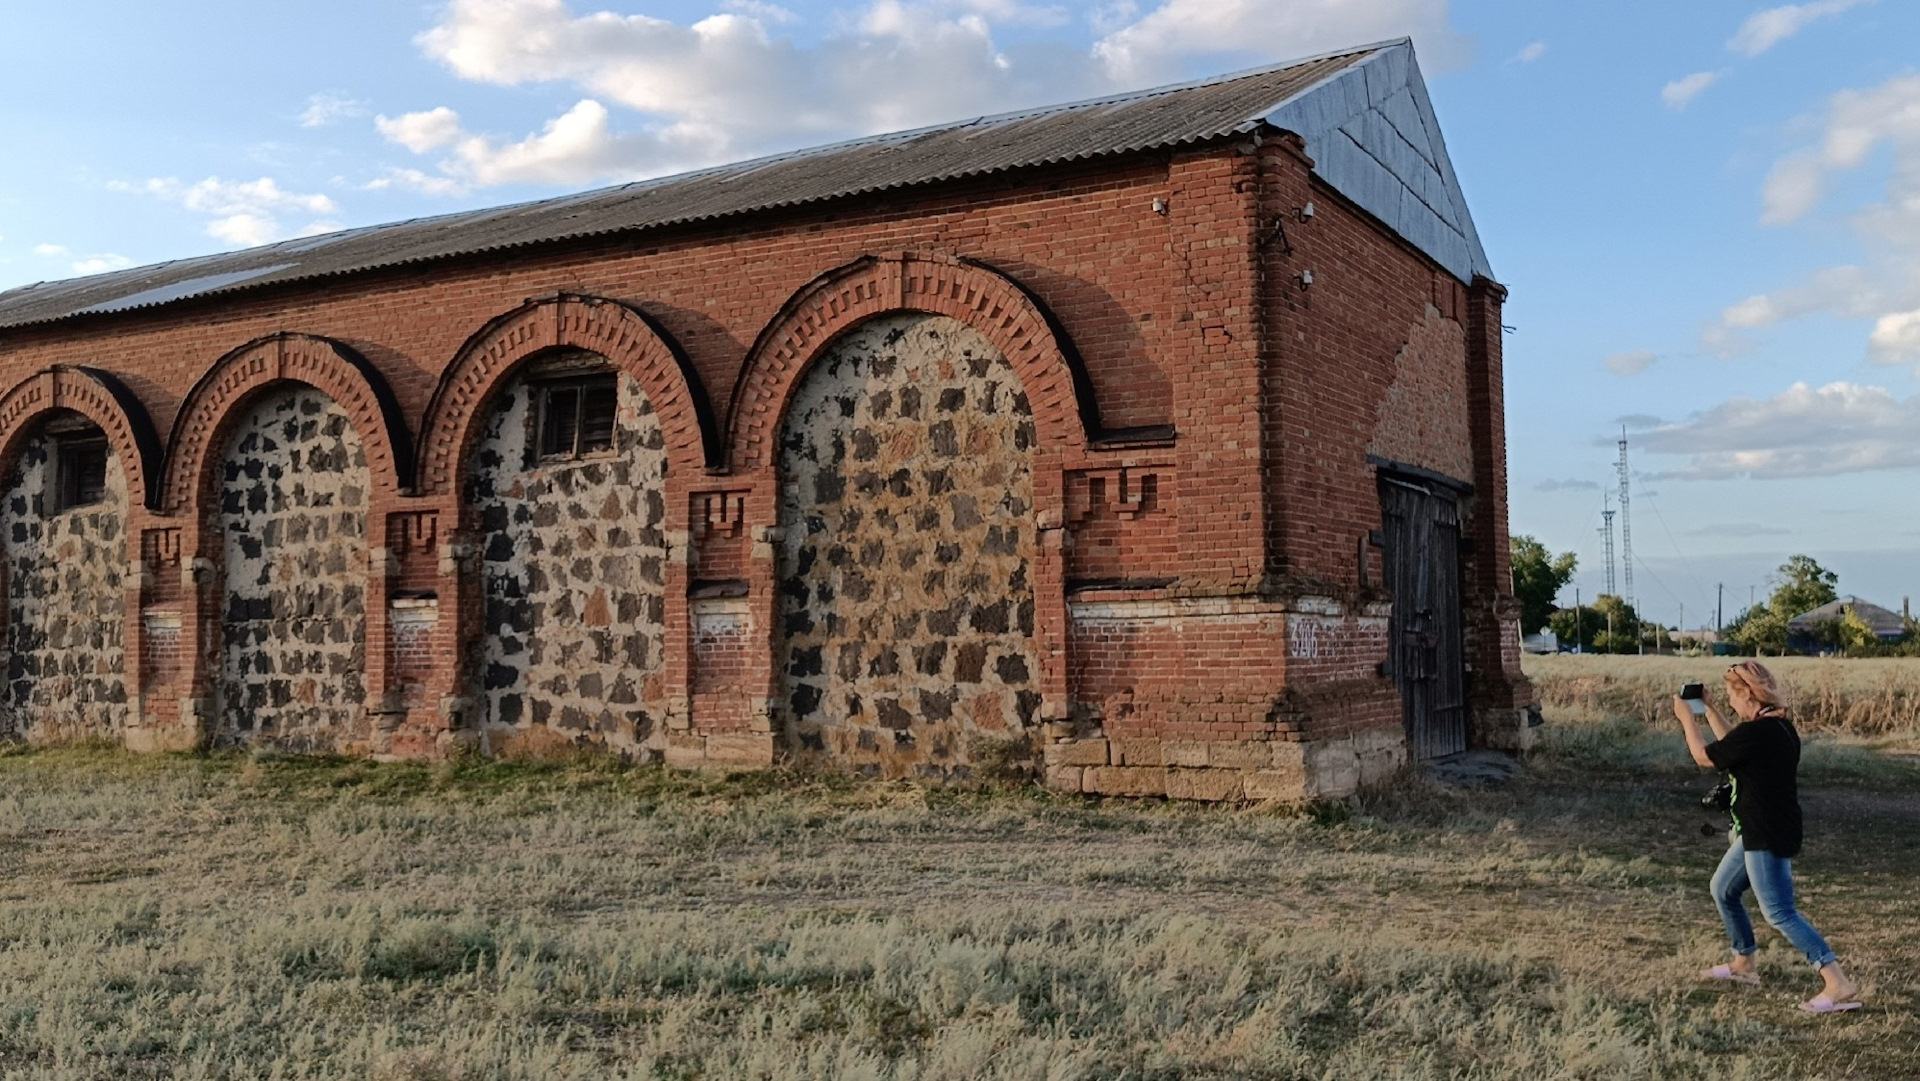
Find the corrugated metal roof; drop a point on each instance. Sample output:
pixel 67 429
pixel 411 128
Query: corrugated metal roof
pixel 1152 119
pixel 1883 623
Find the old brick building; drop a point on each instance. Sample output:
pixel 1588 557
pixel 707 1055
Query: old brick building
pixel 1161 435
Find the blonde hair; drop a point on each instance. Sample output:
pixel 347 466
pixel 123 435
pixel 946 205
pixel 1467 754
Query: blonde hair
pixel 1753 677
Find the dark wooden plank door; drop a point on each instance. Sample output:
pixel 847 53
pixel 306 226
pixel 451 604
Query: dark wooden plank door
pixel 1428 654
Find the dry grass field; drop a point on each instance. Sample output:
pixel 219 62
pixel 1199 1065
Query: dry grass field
pixel 1867 698
pixel 225 917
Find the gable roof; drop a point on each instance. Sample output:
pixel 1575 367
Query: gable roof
pixel 1364 114
pixel 1884 623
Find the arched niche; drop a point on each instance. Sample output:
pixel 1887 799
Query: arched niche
pixel 1000 309
pixel 629 340
pixel 329 366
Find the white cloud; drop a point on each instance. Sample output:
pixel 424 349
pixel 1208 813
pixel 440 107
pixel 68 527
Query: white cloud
pixel 325 109
pixel 1765 29
pixel 1886 286
pixel 729 86
pixel 1630 363
pixel 85 264
pixel 1680 93
pixel 1801 432
pixel 243 213
pixel 772 13
pixel 422 131
pixel 1155 48
pixel 98 264
pixel 1896 339
pixel 416 181
pixel 1567 486
pixel 1531 53
pixel 577 146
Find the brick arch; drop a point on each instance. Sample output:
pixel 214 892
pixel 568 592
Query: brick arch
pixel 100 397
pixel 1010 317
pixel 628 338
pixel 332 367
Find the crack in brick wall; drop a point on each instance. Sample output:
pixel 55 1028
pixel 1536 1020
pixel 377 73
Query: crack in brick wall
pixel 906 504
pixel 573 575
pixel 293 508
pixel 66 669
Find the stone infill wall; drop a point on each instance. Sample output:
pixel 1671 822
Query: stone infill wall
pixel 293 516
pixel 66 666
pixel 906 597
pixel 572 578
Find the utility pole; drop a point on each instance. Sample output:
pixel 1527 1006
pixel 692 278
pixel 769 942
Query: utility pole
pixel 1576 620
pixel 1719 608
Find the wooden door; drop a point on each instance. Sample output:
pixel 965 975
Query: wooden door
pixel 1428 656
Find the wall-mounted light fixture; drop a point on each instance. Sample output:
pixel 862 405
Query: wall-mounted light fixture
pixel 1306 279
pixel 1306 212
pixel 1159 206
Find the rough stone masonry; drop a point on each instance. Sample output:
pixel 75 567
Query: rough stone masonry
pixel 1173 466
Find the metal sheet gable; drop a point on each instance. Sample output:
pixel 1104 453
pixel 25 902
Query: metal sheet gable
pixel 1372 134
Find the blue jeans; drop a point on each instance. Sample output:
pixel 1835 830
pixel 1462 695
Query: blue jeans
pixel 1772 880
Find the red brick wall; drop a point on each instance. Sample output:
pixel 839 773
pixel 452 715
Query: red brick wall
pixel 1175 277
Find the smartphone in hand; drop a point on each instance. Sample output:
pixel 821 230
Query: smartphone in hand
pixel 1695 696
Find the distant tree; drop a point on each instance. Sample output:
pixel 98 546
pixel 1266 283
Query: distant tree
pixel 1758 630
pixel 1852 634
pixel 1801 585
pixel 1538 577
pixel 1608 625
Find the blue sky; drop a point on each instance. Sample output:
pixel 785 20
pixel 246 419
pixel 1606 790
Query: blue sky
pixel 1709 212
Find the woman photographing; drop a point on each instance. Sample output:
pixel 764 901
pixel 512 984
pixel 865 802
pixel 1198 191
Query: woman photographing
pixel 1761 752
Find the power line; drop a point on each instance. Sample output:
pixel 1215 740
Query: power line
pixel 1662 519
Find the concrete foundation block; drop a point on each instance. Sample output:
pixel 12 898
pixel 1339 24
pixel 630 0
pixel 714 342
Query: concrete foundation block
pixel 1187 753
pixel 1246 756
pixel 162 738
pixel 1213 785
pixel 740 750
pixel 1065 778
pixel 685 750
pixel 1125 781
pixel 1136 752
pixel 1288 785
pixel 1077 752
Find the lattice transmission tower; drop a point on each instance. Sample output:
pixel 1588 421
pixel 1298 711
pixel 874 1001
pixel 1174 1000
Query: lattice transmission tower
pixel 1626 526
pixel 1606 530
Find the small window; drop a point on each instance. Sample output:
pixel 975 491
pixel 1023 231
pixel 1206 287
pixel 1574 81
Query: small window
pixel 81 471
pixel 576 415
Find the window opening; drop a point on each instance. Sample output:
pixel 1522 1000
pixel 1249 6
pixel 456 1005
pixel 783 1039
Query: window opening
pixel 577 415
pixel 80 465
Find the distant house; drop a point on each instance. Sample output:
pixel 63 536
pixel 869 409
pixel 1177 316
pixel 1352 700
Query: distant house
pixel 1803 630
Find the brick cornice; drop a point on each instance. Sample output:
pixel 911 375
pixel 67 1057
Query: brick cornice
pixel 971 292
pixel 100 397
pixel 622 334
pixel 322 363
